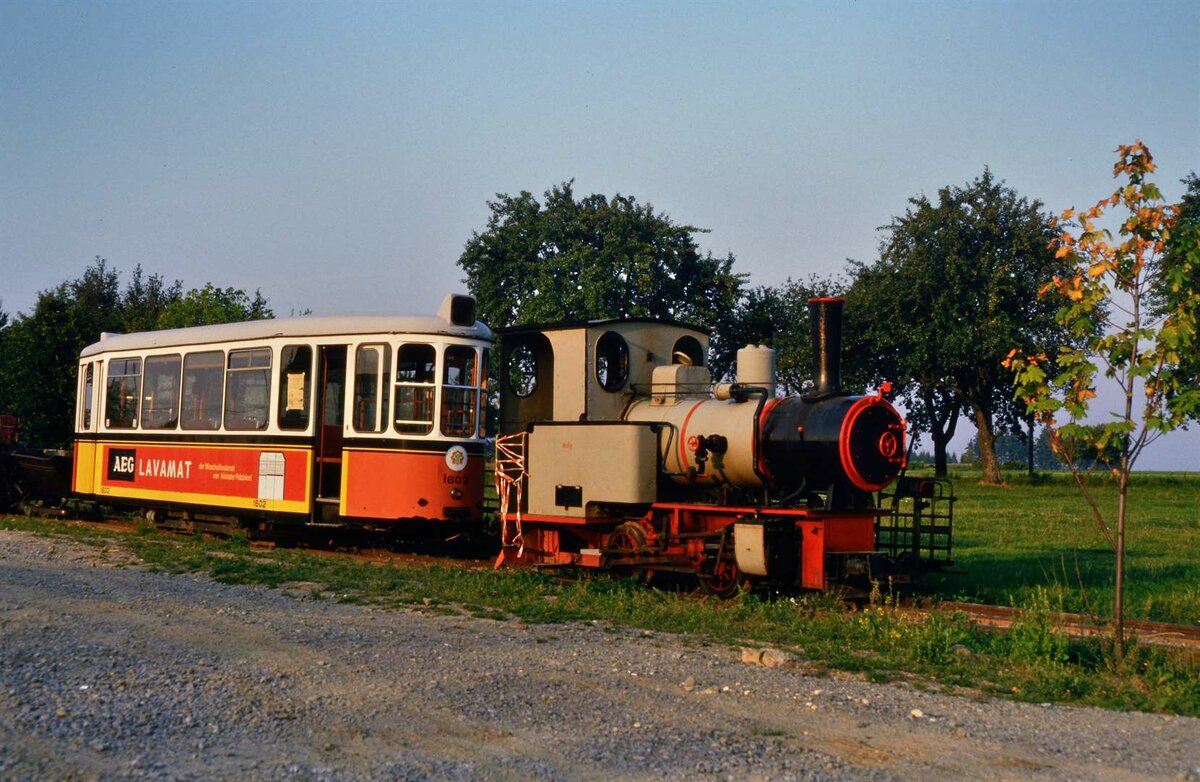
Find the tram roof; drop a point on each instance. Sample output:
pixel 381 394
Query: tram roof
pixel 297 328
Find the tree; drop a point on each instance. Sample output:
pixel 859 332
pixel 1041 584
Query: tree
pixel 1133 309
pixel 913 365
pixel 39 352
pixel 596 257
pixel 1174 260
pixel 777 317
pixel 953 290
pixel 208 305
pixel 146 299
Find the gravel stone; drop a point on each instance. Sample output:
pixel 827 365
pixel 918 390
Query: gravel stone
pixel 111 671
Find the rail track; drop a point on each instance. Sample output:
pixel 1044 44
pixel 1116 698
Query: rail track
pixel 1000 618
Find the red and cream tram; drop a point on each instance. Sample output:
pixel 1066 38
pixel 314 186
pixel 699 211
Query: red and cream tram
pixel 367 420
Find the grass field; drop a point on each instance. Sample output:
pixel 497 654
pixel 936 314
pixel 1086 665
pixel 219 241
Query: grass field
pixel 1028 546
pixel 1012 542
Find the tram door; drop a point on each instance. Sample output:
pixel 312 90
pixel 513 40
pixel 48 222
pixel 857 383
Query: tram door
pixel 328 480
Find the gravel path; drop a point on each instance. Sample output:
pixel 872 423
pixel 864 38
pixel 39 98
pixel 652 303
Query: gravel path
pixel 112 672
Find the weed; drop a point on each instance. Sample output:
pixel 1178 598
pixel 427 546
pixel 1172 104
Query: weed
pixel 1032 639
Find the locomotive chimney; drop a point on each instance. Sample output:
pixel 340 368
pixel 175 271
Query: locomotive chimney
pixel 826 316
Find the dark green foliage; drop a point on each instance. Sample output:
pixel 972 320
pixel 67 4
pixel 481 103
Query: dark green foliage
pixel 209 305
pixel 39 352
pixel 778 318
pixel 954 290
pixel 1179 274
pixel 592 258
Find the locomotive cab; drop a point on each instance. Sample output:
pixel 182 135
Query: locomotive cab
pixel 567 390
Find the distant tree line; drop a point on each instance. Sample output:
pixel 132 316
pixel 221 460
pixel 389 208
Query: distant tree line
pixel 39 350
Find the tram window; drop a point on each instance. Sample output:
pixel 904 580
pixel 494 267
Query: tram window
pixel 248 389
pixel 88 385
pixel 416 373
pixel 460 392
pixel 160 392
pixel 295 373
pixel 372 368
pixel 687 350
pixel 124 383
pixel 612 361
pixel 203 381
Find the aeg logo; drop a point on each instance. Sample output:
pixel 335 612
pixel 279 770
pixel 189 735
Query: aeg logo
pixel 122 464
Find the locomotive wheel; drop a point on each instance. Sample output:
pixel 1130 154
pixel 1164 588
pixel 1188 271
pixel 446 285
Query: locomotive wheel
pixel 725 580
pixel 628 538
pixel 719 575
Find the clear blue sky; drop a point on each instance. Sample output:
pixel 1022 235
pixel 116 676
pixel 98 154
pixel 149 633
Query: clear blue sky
pixel 338 155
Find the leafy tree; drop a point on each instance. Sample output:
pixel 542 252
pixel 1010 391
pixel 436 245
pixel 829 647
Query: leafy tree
pixel 953 290
pixel 146 299
pixel 1135 315
pixel 913 365
pixel 1089 450
pixel 778 318
pixel 1175 261
pixel 595 257
pixel 39 352
pixel 208 305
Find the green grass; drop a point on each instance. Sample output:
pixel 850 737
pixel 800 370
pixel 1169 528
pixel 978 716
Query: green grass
pixel 1012 541
pixel 880 643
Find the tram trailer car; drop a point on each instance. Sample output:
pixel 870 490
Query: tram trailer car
pixel 618 452
pixel 371 421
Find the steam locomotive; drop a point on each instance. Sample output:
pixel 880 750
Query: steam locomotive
pixel 618 452
pixel 615 450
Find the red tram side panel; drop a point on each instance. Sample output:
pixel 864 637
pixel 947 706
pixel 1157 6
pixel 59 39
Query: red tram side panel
pixel 268 478
pixel 439 484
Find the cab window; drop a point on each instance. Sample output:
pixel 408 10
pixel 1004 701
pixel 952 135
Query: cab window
pixel 87 385
pixel 612 361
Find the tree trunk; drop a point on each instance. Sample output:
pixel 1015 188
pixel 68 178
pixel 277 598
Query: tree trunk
pixel 1119 600
pixel 988 463
pixel 942 424
pixel 940 441
pixel 1029 421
